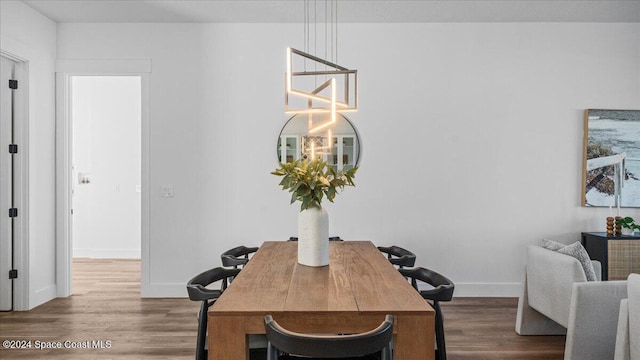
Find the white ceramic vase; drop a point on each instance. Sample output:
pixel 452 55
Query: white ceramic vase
pixel 313 237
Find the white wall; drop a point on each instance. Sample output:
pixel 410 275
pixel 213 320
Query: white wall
pixel 31 36
pixel 488 118
pixel 106 149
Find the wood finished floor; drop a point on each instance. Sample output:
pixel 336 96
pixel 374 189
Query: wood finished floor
pixel 106 305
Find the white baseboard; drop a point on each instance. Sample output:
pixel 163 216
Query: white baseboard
pixel 41 296
pixel 107 253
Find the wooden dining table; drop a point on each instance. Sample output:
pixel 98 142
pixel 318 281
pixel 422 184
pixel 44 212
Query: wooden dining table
pixel 351 295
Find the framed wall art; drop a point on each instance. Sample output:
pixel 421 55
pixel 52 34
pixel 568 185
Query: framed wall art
pixel 611 158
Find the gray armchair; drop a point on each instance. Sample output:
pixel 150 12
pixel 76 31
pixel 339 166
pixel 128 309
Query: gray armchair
pixel 557 299
pixel 628 337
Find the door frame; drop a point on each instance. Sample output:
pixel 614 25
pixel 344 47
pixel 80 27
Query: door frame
pixel 21 182
pixel 65 69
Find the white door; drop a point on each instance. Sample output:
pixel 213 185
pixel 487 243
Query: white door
pixel 7 68
pixel 106 170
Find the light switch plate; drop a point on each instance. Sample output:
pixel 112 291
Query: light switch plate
pixel 167 191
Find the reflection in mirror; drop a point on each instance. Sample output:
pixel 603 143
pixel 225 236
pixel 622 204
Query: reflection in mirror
pixel 295 142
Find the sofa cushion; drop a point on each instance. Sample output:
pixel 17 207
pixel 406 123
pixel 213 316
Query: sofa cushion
pixel 577 251
pixel 552 245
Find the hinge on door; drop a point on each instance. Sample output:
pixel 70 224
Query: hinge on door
pixel 13 274
pixel 13 148
pixel 13 84
pixel 13 212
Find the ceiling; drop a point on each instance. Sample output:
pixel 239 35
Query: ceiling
pixel 349 11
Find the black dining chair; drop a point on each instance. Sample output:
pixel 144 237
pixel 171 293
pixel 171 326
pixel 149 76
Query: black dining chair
pixel 366 345
pixel 442 291
pixel 399 256
pixel 198 291
pixel 237 257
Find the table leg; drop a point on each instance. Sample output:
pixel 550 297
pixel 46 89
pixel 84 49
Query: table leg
pixel 227 338
pixel 415 337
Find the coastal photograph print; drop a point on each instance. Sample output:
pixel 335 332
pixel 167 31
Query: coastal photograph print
pixel 611 158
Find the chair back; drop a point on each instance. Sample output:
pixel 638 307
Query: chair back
pixel 442 287
pixel 329 346
pixel 197 287
pixel 399 256
pixel 238 256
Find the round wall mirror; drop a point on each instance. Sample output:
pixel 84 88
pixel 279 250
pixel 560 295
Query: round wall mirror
pixel 295 143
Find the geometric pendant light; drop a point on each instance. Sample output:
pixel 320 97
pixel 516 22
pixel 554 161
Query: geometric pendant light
pixel 320 89
pixel 298 82
pixel 319 93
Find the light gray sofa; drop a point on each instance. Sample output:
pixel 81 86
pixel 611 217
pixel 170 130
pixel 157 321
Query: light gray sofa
pixel 557 299
pixel 628 337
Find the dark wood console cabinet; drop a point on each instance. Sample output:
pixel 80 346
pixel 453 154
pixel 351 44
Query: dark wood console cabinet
pixel 619 254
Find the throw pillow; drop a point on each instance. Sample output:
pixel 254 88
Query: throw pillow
pixel 552 245
pixel 577 251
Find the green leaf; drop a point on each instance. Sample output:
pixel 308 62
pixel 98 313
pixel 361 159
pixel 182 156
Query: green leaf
pixel 350 181
pixel 303 190
pixel 309 181
pixel 285 183
pixel 331 193
pixel 305 202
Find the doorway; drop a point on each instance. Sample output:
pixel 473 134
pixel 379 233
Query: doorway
pixel 69 179
pixel 106 167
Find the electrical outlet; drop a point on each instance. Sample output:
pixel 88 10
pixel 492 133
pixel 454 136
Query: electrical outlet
pixel 167 191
